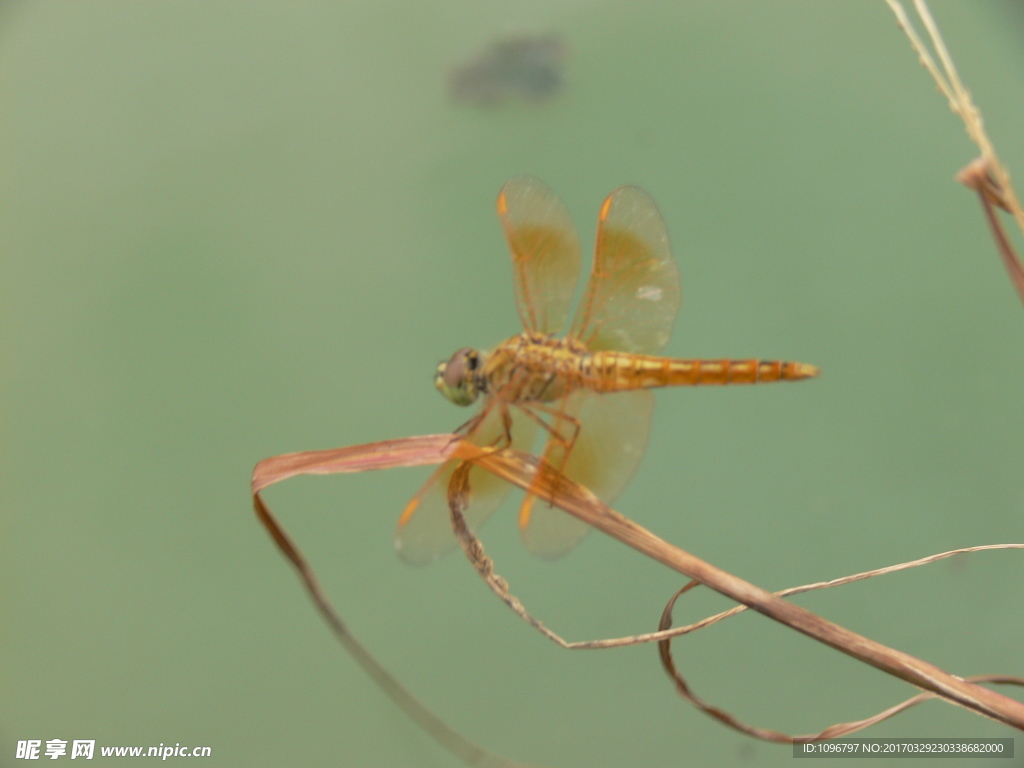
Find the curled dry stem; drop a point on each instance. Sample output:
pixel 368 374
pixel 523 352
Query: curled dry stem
pixel 833 731
pixel 458 499
pixel 531 473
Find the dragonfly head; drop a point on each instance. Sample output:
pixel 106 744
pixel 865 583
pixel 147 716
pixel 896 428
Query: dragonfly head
pixel 458 378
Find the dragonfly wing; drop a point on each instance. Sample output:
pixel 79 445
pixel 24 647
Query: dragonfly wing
pixel 612 438
pixel 633 295
pixel 424 532
pixel 545 252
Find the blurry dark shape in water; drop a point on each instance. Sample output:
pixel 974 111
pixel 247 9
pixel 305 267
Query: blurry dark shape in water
pixel 526 67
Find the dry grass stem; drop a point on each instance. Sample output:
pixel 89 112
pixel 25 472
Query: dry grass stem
pixel 987 175
pixel 529 473
pixel 831 732
pixel 458 500
pixel 409 452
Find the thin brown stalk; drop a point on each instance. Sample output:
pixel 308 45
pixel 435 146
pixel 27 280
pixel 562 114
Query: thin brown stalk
pixel 430 449
pixel 458 500
pixel 530 473
pixel 707 622
pixel 484 566
pixel 831 732
pixel 986 175
pixel 519 469
pixel 977 175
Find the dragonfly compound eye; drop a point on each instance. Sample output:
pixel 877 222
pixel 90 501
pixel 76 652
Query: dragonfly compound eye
pixel 456 378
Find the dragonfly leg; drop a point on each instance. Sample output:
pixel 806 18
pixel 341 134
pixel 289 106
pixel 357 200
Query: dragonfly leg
pixel 501 399
pixel 498 398
pixel 468 427
pixel 544 390
pixel 554 430
pixel 506 426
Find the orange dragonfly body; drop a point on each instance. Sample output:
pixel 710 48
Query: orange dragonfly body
pixel 589 391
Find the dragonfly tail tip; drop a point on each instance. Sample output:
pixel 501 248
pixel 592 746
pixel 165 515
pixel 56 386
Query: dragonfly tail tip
pixel 805 371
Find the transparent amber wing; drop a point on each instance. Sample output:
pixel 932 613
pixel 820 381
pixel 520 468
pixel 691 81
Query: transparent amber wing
pixel 634 292
pixel 424 532
pixel 612 439
pixel 545 252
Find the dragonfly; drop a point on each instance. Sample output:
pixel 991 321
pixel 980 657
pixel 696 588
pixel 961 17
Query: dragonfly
pixel 588 392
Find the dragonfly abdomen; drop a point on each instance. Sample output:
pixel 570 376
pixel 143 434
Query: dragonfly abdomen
pixel 617 371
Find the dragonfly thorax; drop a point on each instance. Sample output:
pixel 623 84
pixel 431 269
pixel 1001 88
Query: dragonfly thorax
pixel 526 368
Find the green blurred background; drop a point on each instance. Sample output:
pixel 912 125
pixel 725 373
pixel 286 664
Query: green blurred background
pixel 232 230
